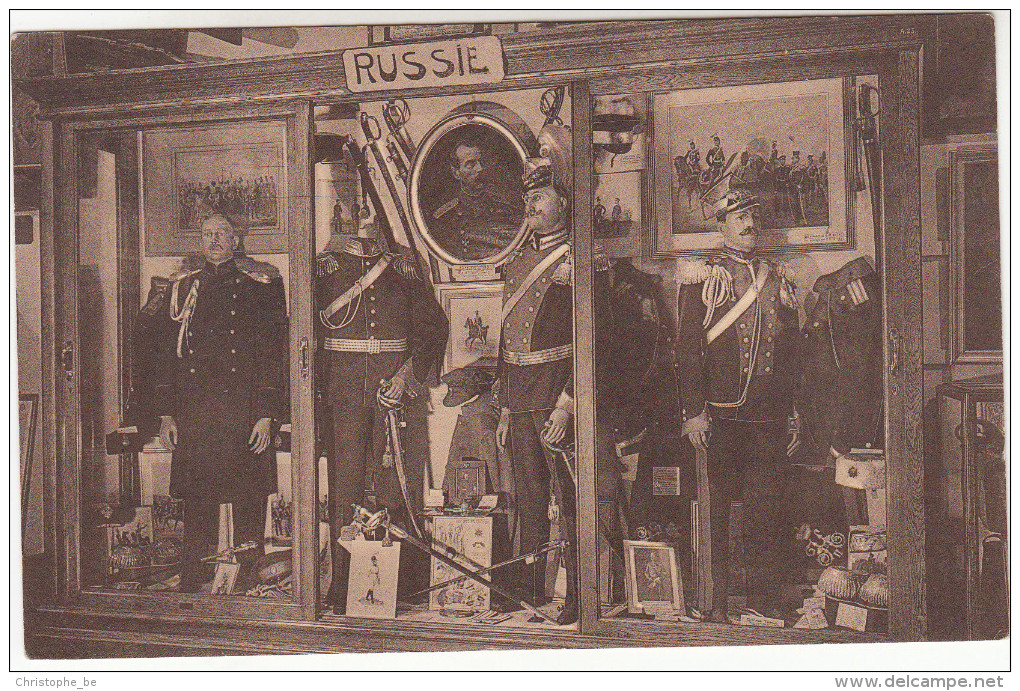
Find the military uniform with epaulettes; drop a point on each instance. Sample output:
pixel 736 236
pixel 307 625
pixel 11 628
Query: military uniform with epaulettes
pixel 219 337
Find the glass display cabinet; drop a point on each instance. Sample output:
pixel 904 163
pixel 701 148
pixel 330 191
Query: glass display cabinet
pixel 309 160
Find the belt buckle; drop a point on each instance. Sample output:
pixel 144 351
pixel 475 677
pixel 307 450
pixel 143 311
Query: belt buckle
pixel 374 346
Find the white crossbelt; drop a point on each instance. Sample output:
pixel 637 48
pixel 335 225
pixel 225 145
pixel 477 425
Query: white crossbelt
pixel 365 345
pixel 539 357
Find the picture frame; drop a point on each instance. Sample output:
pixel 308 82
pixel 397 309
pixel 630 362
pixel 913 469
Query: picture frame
pixel 806 204
pixel 225 578
pixel 617 220
pixel 475 314
pixel 471 538
pixel 372 580
pixel 974 257
pixel 237 169
pixel 653 581
pixel 28 423
pixel 449 227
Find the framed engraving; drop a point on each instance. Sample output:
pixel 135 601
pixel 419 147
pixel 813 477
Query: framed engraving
pixel 787 143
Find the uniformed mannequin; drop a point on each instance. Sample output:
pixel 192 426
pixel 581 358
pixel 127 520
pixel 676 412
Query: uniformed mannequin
pixel 379 349
pixel 737 387
pixel 476 223
pixel 221 334
pixel 534 389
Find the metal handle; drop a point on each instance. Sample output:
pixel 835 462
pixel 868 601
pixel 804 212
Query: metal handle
pixel 895 345
pixel 67 359
pixel 304 358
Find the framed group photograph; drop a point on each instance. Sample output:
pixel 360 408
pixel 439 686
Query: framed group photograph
pixel 238 170
pixel 616 214
pixel 790 144
pixel 653 580
pixel 475 313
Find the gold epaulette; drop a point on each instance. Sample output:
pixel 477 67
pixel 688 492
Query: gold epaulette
pixel 405 266
pixel 263 272
pixel 693 271
pixel 183 273
pixel 326 264
pixel 599 258
pixel 784 271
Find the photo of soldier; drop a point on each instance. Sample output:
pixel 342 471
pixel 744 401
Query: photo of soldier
pixel 472 207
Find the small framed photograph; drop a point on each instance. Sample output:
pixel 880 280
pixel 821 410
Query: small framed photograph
pixel 225 578
pixel 372 583
pixel 653 581
pixel 475 313
pixel 616 214
pixel 238 170
pixel 790 144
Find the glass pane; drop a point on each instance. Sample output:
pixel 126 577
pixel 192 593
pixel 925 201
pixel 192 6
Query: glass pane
pixel 739 387
pixel 439 183
pixel 184 371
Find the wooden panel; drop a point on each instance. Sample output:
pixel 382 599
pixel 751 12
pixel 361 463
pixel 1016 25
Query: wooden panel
pixel 560 51
pixel 69 447
pixel 302 345
pixel 584 360
pixel 48 382
pixel 903 380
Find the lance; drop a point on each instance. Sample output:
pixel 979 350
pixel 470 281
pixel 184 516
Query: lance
pixel 370 522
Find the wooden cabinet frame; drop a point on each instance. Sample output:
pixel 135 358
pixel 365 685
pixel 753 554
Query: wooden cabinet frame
pixel 619 57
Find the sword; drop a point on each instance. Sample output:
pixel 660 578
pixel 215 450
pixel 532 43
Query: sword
pixel 396 113
pixel 370 522
pixel 555 544
pixel 393 445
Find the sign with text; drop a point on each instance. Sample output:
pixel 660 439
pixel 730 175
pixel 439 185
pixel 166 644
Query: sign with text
pixel 465 61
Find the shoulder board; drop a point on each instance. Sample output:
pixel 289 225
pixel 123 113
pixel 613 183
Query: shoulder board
pixel 325 264
pixel 563 274
pixel 693 271
pixel 599 258
pixel 405 267
pixel 157 296
pixel 445 208
pixel 263 272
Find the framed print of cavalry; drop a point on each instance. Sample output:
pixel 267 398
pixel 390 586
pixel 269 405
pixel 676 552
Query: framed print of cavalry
pixel 236 169
pixel 790 144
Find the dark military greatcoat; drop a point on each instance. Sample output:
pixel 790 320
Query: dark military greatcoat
pixel 222 354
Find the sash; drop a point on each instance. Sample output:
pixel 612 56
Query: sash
pixel 529 281
pixel 745 301
pixel 359 286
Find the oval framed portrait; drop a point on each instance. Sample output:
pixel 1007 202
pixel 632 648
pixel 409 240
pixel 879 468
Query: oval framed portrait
pixel 466 189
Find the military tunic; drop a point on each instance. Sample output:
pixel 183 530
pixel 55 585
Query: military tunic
pixel 222 369
pixel 746 382
pixel 473 227
pixel 399 313
pixel 535 369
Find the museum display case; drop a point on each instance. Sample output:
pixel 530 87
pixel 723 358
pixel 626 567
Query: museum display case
pixel 306 153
